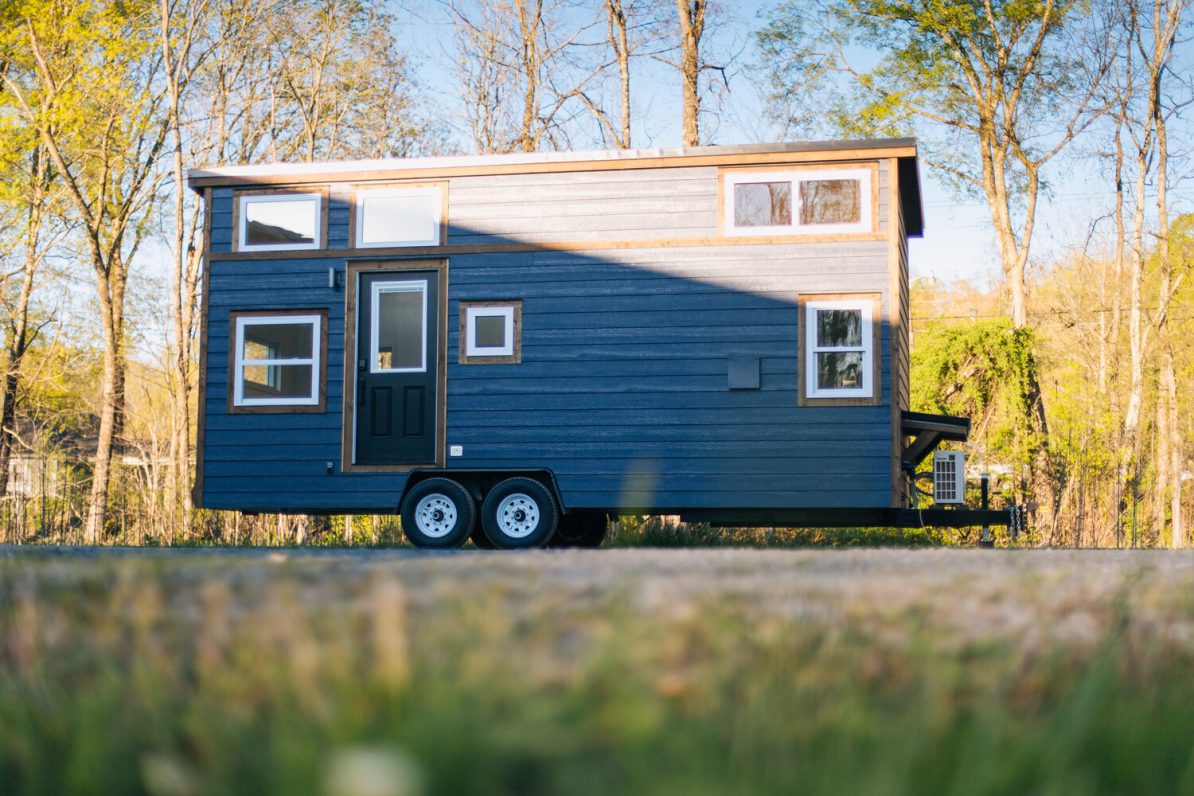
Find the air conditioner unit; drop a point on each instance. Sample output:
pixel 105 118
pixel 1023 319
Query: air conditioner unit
pixel 949 477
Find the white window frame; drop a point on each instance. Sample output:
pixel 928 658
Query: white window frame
pixel 472 314
pixel 404 286
pixel 811 349
pixel 242 234
pixel 238 398
pixel 731 179
pixel 433 195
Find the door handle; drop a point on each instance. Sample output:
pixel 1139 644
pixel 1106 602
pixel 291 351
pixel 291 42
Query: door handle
pixel 361 391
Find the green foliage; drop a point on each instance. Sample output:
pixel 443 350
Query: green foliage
pixel 940 70
pixel 723 673
pixel 982 370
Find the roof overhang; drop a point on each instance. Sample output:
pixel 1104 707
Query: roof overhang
pixel 927 432
pixel 603 160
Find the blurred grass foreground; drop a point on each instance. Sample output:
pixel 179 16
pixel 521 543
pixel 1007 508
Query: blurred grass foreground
pixel 600 672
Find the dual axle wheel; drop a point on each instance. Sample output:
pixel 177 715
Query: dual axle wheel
pixel 517 513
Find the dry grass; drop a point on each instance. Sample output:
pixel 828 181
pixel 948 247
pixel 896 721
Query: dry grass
pixel 614 671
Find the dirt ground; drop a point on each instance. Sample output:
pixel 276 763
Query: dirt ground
pixel 1065 596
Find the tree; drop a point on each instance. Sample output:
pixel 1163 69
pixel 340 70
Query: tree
pixel 85 76
pixel 180 28
pixel 26 188
pixel 997 87
pixel 522 71
pixel 1141 111
pixel 691 17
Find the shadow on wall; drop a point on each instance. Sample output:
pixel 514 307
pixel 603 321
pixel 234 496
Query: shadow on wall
pixel 652 379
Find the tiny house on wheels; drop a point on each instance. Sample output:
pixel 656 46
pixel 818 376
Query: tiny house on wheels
pixel 513 348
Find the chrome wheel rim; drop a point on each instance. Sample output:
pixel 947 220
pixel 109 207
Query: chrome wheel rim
pixel 517 516
pixel 435 515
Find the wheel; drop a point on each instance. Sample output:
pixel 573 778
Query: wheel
pixel 519 513
pixel 581 529
pixel 438 513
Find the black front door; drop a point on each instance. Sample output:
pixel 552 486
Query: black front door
pixel 397 367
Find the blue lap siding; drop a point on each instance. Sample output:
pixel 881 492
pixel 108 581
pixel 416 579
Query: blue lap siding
pixel 622 388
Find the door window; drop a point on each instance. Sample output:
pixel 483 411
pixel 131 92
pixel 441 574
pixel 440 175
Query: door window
pixel 399 314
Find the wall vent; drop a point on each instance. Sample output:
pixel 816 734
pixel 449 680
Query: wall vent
pixel 949 477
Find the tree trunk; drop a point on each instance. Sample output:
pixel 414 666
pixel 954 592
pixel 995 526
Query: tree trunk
pixel 529 17
pixel 1178 464
pixel 1173 445
pixel 18 338
pixel 110 284
pixel 620 42
pixel 692 26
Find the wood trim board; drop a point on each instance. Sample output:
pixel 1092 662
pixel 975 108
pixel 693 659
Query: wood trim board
pixel 812 237
pixel 568 246
pixel 201 421
pixel 802 362
pixel 284 409
pixel 895 311
pixel 324 192
pixel 350 191
pixel 462 356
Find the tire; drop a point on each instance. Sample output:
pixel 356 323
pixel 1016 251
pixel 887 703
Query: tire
pixel 519 514
pixel 438 514
pixel 581 529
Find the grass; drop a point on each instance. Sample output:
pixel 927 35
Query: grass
pixel 624 671
pixel 656 531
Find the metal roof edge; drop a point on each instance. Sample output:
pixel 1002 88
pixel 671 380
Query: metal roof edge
pixel 332 168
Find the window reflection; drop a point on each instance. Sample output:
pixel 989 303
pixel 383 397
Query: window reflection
pixel 830 202
pixel 279 221
pixel 399 322
pixel 763 204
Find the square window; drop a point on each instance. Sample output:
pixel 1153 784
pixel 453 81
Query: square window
pixel 490 332
pixel 839 348
pixel 797 201
pixel 277 361
pixel 399 216
pixel 280 222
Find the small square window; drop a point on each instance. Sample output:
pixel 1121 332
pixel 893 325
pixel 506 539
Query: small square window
pixel 277 361
pixel 839 348
pixel 280 222
pixel 490 332
pixel 797 201
pixel 399 216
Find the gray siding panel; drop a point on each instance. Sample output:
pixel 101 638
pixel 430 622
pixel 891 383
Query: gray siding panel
pixel 599 206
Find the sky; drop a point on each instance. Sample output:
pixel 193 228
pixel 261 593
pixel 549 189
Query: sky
pixel 958 243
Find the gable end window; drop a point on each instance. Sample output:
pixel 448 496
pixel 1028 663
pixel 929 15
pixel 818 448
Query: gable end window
pixel 797 202
pixel 840 348
pixel 399 216
pixel 271 222
pixel 278 361
pixel 490 332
